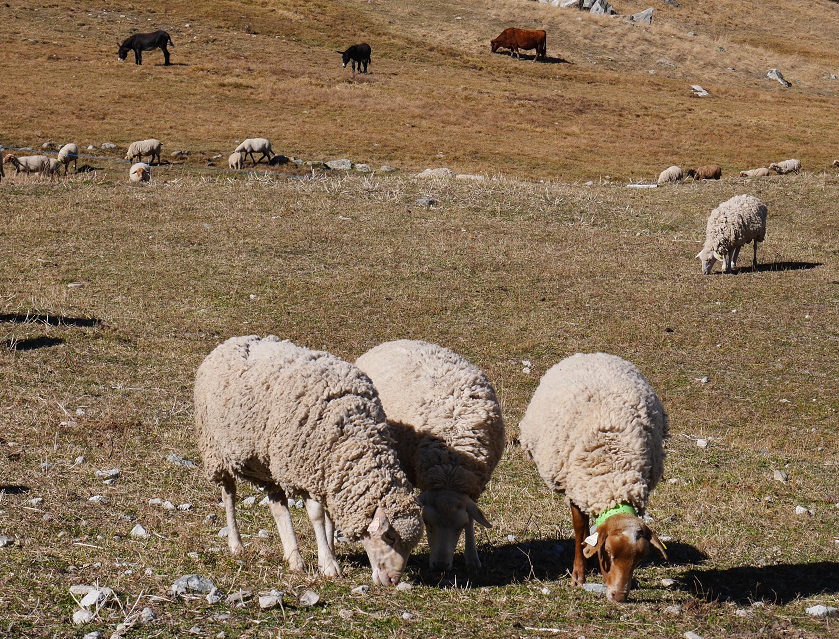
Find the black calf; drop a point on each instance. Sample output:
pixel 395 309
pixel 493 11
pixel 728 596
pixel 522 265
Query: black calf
pixel 359 54
pixel 140 42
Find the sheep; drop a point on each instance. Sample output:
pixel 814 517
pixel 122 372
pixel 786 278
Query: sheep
pixel 255 145
pixel 139 172
pixel 150 147
pixel 731 225
pixel 236 161
pixel 2 172
pixel 709 172
pixel 444 416
pixel 671 174
pixel 69 153
pixel 787 166
pixel 761 172
pixel 295 421
pixel 28 163
pixel 596 429
pixel 53 169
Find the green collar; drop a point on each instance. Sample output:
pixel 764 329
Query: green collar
pixel 622 508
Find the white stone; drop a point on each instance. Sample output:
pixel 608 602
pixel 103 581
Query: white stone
pixel 97 499
pixel 147 615
pixel 780 475
pixel 702 443
pixel 309 598
pixel 596 588
pixel 139 532
pixel 667 583
pixel 441 172
pixel 692 635
pixel 249 501
pixel 223 532
pixel 822 611
pixel 273 599
pixel 340 165
pixel 404 586
pixel 361 590
pixel 81 617
pixel 168 505
pixel 801 510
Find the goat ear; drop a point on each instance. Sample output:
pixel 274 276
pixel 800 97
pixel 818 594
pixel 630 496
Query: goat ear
pixel 476 514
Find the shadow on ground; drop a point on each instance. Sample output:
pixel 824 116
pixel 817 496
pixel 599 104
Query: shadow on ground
pixel 31 343
pixel 51 320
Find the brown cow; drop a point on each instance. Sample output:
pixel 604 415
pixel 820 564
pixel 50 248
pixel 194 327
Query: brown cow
pixel 709 172
pixel 515 39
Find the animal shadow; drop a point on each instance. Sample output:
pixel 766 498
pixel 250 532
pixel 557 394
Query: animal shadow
pixel 13 489
pixel 787 266
pixel 779 584
pixel 32 343
pixel 51 320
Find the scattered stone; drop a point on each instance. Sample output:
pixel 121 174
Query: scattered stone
pixel 427 201
pixel 742 612
pixel 223 532
pixel 404 586
pixel 155 501
pixel 168 505
pixel 109 145
pixel 673 3
pixel 90 147
pixel 96 596
pixel 93 635
pixel 386 169
pixel 37 501
pixel 601 7
pixel 309 598
pixel 273 599
pixel 195 630
pixel 176 459
pixel 179 154
pixel 97 499
pixel 781 476
pixel 107 474
pixel 640 186
pixel 265 501
pixel 673 611
pixel 698 91
pixel 644 17
pixel 214 596
pixel 668 583
pixel 139 532
pixel 441 172
pixel 545 590
pixel 567 4
pixel 703 380
pixel 692 635
pixel 238 598
pixel 596 588
pixel 263 534
pixel 774 74
pixel 192 583
pixel 822 611
pixel 345 614
pixel 81 617
pixel 79 589
pixel 249 501
pixel 407 616
pixel 361 590
pixel 147 615
pixel 702 443
pixel 185 507
pixel 340 165
pixel 211 519
pixel 79 460
pixel 363 168
pixel 801 510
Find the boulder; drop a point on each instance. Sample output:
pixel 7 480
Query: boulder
pixel 774 74
pixel 341 165
pixel 441 172
pixel 644 17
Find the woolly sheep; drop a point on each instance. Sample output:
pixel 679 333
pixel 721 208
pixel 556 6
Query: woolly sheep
pixel 53 169
pixel 255 145
pixel 761 172
pixel 732 225
pixel 596 430
pixel 236 161
pixel 445 418
pixel 708 172
pixel 139 172
pixel 671 174
pixel 787 166
pixel 150 147
pixel 28 163
pixel 69 153
pixel 299 422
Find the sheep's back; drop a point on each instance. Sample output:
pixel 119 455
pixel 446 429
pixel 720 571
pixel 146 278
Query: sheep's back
pixel 736 222
pixel 596 429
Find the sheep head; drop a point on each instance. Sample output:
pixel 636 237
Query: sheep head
pixel 387 552
pixel 708 257
pixel 446 513
pixel 621 543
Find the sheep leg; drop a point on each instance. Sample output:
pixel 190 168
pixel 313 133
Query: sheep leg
pixel 228 497
pixel 279 509
pixel 165 56
pixel 326 557
pixel 580 519
pixel 754 257
pixel 329 527
pixel 470 549
pixel 734 257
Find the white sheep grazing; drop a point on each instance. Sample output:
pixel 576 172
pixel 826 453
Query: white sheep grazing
pixel 69 153
pixel 787 166
pixel 236 161
pixel 255 145
pixel 28 163
pixel 596 430
pixel 671 174
pixel 732 225
pixel 139 172
pixel 761 172
pixel 299 422
pixel 53 170
pixel 446 421
pixel 150 147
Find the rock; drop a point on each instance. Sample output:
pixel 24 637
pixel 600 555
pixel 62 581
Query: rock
pixel 667 583
pixel 238 598
pixel 179 154
pixel 800 510
pixel 82 617
pixel 223 532
pixel 176 459
pixel 567 4
pixel 249 501
pixel 309 598
pixel 108 474
pixel 545 590
pixel 273 599
pixel 6 540
pixel 96 596
pixel 427 201
pixel 265 501
pixel 742 612
pixel 263 534
pixel 692 635
pixel 780 475
pixel 79 589
pixel 79 460
pixel 386 169
pixel 641 186
pixel 109 145
pixel 214 596
pixel 407 616
pixel 168 505
pixel 601 7
pixel 363 168
pixel 361 590
pixel 673 610
pixel 90 147
pixel 93 635
pixel 441 173
pixel 698 91
pixel 185 507
pixel 404 586
pixel 822 611
pixel 774 74
pixel 139 532
pixel 46 145
pixel 97 499
pixel 37 501
pixel 340 165
pixel 597 588
pixel 147 615
pixel 192 583
pixel 702 443
pixel 644 17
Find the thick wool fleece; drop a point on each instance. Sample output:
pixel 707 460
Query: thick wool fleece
pixel 280 415
pixel 144 147
pixel 596 430
pixel 442 412
pixel 735 222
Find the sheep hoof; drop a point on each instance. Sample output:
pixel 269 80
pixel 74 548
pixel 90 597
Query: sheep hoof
pixel 331 570
pixel 237 549
pixel 295 562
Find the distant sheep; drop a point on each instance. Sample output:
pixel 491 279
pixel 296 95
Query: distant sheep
pixel 761 172
pixel 69 153
pixel 732 225
pixel 53 170
pixel 28 163
pixel 357 54
pixel 671 174
pixel 236 161
pixel 2 172
pixel 708 172
pixel 787 166
pixel 140 42
pixel 596 429
pixel 139 172
pixel 444 416
pixel 255 145
pixel 836 163
pixel 150 147
pixel 299 422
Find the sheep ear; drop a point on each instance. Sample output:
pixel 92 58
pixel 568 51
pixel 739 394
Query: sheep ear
pixel 592 544
pixel 656 543
pixel 476 514
pixel 718 256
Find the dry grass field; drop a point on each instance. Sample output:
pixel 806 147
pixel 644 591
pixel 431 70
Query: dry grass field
pixel 111 295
